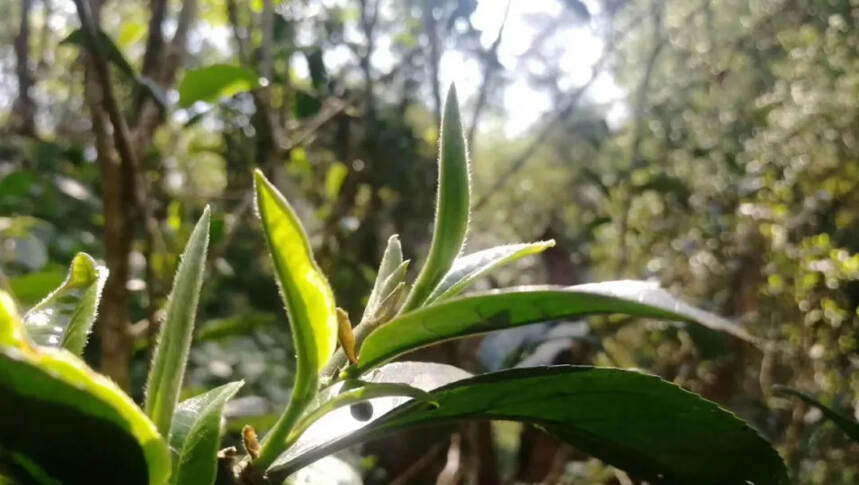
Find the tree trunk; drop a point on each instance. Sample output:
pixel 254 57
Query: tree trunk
pixel 117 193
pixel 25 107
pixel 116 344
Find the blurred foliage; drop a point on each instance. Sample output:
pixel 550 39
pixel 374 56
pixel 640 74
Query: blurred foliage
pixel 727 169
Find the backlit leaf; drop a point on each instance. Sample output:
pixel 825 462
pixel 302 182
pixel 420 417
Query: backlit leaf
pixel 51 403
pixel 485 312
pixel 469 268
pixel 174 339
pixel 215 82
pixel 308 300
pixel 65 317
pixel 452 205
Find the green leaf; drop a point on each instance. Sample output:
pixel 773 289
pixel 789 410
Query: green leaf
pixel 847 425
pixel 31 288
pixel 130 32
pixel 467 269
pixel 65 317
pixel 637 422
pixel 394 280
pixel 334 178
pixel 195 436
pixel 485 312
pixel 106 47
pixel 316 66
pixel 174 340
pixel 241 324
pixel 309 303
pixel 11 328
pixel 17 183
pixel 391 260
pixel 304 104
pixel 52 403
pixel 114 55
pixel 452 205
pixel 215 82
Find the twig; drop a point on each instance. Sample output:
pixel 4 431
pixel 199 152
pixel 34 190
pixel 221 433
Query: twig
pixel 233 16
pixel 121 135
pixel 266 61
pixel 154 42
pixel 409 473
pixel 554 118
pixel 132 187
pixel 24 104
pixel 435 57
pixel 552 122
pixel 489 68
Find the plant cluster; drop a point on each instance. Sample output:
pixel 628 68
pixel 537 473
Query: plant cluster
pixel 65 423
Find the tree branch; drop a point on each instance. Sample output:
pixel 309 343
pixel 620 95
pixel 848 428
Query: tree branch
pixel 489 67
pixel 116 195
pixel 25 107
pixel 121 134
pixel 435 57
pixel 152 55
pixel 556 117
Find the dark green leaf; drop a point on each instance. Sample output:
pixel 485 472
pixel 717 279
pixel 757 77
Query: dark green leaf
pixel 17 183
pixel 636 422
pixel 305 104
pixel 107 47
pixel 52 403
pixel 666 184
pixel 65 317
pixel 467 269
pixel 316 66
pixel 195 436
pixel 849 426
pixel 113 54
pixel 452 205
pixel 215 82
pixel 31 288
pixel 174 340
pixel 500 309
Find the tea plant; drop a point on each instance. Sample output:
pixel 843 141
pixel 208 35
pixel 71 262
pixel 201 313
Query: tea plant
pixel 61 422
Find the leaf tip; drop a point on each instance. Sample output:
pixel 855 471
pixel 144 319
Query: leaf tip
pixel 206 217
pixel 451 116
pixel 451 95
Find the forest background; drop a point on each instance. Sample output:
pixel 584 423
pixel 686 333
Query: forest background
pixel 710 145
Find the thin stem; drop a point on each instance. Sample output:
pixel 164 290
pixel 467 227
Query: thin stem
pixel 275 442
